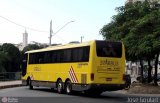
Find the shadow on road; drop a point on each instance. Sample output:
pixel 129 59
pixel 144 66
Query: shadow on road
pixel 105 95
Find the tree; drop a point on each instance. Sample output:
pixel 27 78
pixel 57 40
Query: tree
pixel 3 58
pixel 12 64
pixel 32 47
pixel 138 26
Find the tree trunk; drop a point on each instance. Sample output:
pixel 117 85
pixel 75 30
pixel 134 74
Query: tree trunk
pixel 149 71
pixel 156 66
pixel 141 63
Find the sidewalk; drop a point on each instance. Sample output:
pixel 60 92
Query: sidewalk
pixel 6 84
pixel 135 94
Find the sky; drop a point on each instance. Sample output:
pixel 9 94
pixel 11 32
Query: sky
pixel 89 17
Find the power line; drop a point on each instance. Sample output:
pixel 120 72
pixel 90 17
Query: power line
pixel 61 39
pixel 62 27
pixel 22 25
pixel 51 31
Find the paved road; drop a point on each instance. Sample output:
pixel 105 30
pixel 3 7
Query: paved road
pixel 45 95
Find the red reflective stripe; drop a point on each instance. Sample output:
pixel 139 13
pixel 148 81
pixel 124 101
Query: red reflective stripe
pixel 74 75
pixel 71 75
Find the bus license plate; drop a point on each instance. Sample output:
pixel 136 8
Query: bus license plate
pixel 108 79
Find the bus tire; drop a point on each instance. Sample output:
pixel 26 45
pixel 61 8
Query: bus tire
pixel 60 87
pixel 27 84
pixel 30 84
pixel 127 87
pixel 68 87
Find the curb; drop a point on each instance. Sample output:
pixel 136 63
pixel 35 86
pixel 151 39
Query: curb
pixel 124 92
pixel 10 86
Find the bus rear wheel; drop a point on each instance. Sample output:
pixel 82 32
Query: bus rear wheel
pixel 68 87
pixel 59 86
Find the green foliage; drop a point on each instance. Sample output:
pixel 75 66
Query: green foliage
pixel 138 26
pixel 12 51
pixel 9 58
pixel 3 58
pixel 32 47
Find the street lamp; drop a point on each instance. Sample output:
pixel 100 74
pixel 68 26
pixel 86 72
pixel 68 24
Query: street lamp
pixel 56 31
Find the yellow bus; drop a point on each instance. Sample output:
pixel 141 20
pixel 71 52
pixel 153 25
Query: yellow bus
pixel 92 67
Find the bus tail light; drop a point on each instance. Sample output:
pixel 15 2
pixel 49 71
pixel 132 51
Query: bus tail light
pixel 92 76
pixel 124 77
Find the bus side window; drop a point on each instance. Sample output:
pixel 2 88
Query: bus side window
pixel 40 60
pixel 75 55
pixel 54 57
pixel 40 57
pixel 80 54
pixel 32 58
pixel 59 56
pixel 48 57
pixel 35 58
pixel 67 55
pixel 85 54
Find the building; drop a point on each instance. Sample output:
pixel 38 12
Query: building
pixel 134 68
pixel 19 46
pixel 25 39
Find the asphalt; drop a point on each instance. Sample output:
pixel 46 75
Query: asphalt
pixel 10 84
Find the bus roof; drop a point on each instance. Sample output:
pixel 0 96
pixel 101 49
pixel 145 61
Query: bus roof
pixel 58 47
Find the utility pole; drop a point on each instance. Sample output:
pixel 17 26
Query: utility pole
pixel 82 38
pixel 51 31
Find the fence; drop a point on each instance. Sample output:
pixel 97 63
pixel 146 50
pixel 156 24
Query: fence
pixel 10 76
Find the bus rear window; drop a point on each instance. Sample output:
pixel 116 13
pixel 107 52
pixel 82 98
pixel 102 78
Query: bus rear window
pixel 109 49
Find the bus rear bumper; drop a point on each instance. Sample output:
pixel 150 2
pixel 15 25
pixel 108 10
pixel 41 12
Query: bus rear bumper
pixel 107 87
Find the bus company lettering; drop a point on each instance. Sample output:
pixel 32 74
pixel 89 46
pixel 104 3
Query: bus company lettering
pixel 109 69
pixel 109 62
pixel 36 69
pixel 82 64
